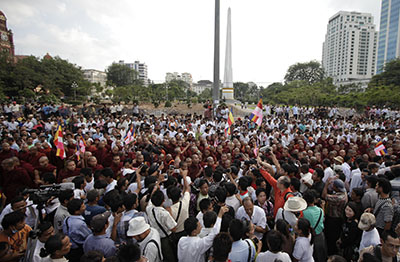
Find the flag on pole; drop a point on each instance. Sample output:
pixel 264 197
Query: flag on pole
pixel 80 147
pixel 130 135
pixel 59 142
pixel 257 114
pixel 380 149
pixel 229 123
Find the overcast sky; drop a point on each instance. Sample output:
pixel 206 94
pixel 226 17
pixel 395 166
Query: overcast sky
pixel 177 35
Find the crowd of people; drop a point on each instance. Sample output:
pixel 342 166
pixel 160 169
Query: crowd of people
pixel 308 184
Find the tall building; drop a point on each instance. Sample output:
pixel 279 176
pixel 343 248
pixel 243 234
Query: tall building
pixel 6 36
pixel 389 41
pixel 349 50
pixel 185 77
pixel 140 68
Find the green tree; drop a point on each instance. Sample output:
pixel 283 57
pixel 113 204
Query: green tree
pixel 121 75
pixel 389 76
pixel 310 72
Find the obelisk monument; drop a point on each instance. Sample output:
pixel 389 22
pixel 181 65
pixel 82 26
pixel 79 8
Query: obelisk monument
pixel 227 90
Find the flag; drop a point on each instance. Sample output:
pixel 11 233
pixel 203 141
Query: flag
pixel 130 135
pixel 78 151
pixel 380 149
pixel 229 123
pixel 255 150
pixel 80 147
pixel 59 142
pixel 257 114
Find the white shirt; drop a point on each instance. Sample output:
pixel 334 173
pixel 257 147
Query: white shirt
pixel 233 202
pixel 36 253
pixel 370 238
pixel 269 256
pixel 149 250
pixel 192 249
pixel 111 186
pixel 258 218
pixel 163 217
pixel 78 193
pixel 184 214
pixel 305 178
pixel 303 251
pixel 200 218
pixel 328 172
pixel 290 218
pixel 89 185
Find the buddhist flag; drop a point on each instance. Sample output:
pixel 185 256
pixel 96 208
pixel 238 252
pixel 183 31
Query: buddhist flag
pixel 80 147
pixel 380 149
pixel 130 135
pixel 59 142
pixel 257 114
pixel 229 123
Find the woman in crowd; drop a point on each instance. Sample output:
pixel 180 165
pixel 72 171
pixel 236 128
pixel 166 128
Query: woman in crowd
pixel 351 235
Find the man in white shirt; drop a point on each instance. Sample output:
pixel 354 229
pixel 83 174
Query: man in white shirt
pixel 180 207
pixel 328 172
pixel 193 248
pixel 255 214
pixel 147 237
pixel 161 220
pixel 292 206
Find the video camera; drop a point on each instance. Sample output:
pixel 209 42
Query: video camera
pixel 45 192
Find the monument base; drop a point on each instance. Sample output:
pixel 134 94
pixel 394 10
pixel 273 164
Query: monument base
pixel 227 94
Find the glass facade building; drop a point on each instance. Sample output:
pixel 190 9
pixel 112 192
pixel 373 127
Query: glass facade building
pixel 389 42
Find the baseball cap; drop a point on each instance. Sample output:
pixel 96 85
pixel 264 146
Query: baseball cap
pixel 99 221
pixel 366 221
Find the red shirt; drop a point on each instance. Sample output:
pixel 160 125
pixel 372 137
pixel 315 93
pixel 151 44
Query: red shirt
pixel 279 195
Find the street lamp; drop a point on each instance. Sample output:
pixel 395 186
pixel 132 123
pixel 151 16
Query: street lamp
pixel 74 87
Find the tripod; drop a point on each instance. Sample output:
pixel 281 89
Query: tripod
pixel 32 240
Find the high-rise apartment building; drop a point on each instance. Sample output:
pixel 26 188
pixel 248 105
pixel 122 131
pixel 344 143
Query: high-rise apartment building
pixel 349 50
pixel 140 68
pixel 389 41
pixel 185 77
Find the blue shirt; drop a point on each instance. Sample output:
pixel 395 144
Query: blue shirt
pixel 76 229
pixel 91 211
pixel 100 243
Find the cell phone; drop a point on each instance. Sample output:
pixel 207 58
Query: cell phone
pixel 171 167
pixel 165 177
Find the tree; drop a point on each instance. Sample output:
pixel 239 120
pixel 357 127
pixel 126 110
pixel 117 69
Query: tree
pixel 389 76
pixel 121 75
pixel 54 76
pixel 310 72
pixel 240 90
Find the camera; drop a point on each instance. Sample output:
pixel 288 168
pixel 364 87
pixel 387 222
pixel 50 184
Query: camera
pixel 45 192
